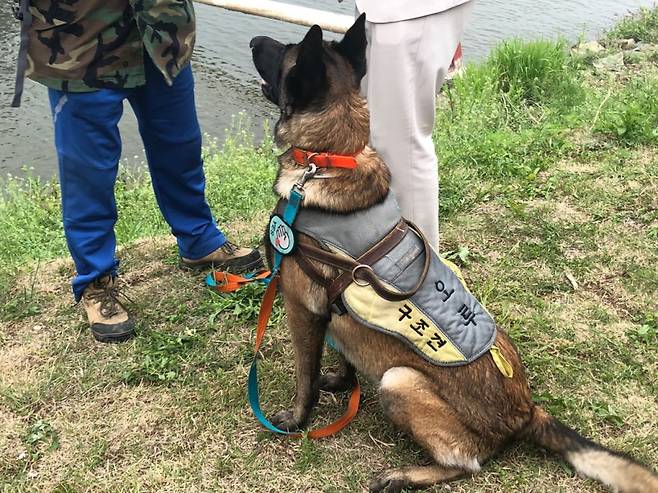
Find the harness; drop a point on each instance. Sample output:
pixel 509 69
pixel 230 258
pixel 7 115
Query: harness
pixel 23 14
pixel 389 279
pixel 393 282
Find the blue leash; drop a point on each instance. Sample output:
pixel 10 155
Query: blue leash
pixel 281 226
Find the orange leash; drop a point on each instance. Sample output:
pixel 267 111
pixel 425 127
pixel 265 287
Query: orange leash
pixel 225 282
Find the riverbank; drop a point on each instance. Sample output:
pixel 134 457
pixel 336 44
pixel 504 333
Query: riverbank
pixel 227 83
pixel 549 172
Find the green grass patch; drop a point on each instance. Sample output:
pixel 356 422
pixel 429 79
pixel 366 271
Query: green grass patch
pixel 239 180
pixel 533 72
pixel 642 26
pixel 631 115
pixel 504 121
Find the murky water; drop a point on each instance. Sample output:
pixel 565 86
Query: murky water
pixel 226 80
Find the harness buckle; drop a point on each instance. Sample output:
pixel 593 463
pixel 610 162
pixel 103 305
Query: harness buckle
pixel 338 307
pixel 360 282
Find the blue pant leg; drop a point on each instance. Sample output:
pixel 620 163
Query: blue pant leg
pixel 170 130
pixel 88 149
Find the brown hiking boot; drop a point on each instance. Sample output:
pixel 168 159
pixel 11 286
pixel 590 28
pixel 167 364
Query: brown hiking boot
pixel 109 319
pixel 227 257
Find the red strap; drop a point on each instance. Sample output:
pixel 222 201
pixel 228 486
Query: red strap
pixel 353 404
pixel 265 312
pixel 323 159
pixel 457 56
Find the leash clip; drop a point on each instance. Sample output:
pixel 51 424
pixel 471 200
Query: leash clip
pixel 308 174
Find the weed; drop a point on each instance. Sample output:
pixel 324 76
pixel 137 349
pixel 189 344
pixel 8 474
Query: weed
pixel 606 412
pixel 461 255
pixel 309 456
pixel 631 116
pixel 65 487
pixel 641 27
pixel 159 357
pixel 534 72
pixel 40 438
pixel 97 453
pixel 20 303
pixel 243 304
pixel 647 333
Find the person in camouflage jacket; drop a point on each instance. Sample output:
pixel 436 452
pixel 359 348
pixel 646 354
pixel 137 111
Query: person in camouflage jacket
pixel 90 44
pixel 92 55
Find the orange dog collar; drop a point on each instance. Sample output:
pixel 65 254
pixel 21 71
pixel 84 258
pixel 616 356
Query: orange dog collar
pixel 323 159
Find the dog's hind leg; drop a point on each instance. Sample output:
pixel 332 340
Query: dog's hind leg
pixel 395 480
pixel 411 402
pixel 341 380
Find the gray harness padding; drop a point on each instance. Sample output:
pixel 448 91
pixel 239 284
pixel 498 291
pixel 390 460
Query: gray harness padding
pixel 442 298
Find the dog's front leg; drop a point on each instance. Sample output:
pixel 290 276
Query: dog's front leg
pixel 307 333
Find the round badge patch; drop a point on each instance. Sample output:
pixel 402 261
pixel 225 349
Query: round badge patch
pixel 282 236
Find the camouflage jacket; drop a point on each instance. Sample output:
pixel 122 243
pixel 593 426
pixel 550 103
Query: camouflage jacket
pixel 83 45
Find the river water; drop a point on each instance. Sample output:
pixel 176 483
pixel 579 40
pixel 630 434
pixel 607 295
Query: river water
pixel 227 82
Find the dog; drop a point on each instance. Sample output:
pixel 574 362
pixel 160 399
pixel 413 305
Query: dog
pixel 461 415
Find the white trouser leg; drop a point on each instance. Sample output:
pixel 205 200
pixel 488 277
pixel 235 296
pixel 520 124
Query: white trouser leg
pixel 407 64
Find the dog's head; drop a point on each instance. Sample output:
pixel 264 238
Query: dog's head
pixel 305 76
pixel 316 85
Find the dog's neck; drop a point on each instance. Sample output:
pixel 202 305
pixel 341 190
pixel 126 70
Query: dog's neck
pixel 341 128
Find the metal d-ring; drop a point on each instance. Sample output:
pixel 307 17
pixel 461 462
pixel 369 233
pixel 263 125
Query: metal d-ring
pixel 356 280
pixel 308 157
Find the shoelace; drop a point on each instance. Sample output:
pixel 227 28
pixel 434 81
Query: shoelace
pixel 108 297
pixel 229 248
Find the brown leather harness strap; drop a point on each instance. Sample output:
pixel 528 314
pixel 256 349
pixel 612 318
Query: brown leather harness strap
pixel 360 270
pixel 335 286
pixel 309 269
pixel 381 248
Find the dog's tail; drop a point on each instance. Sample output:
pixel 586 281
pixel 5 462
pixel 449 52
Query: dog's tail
pixel 618 472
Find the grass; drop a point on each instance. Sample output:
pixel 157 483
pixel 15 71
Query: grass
pixel 549 176
pixel 641 27
pixel 632 114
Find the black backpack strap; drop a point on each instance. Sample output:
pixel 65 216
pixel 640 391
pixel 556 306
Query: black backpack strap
pixel 23 14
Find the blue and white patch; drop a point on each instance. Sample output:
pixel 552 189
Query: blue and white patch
pixel 282 236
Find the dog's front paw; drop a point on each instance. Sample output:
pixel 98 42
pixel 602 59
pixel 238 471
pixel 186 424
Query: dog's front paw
pixel 285 420
pixel 335 382
pixel 387 482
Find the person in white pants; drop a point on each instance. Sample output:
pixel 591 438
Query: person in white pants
pixel 410 48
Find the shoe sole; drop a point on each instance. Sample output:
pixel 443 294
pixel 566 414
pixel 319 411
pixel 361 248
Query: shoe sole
pixel 124 331
pixel 113 338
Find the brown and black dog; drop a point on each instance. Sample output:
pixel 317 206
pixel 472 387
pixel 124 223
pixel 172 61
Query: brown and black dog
pixel 461 415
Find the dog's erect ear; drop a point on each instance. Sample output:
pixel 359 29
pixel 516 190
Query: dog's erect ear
pixel 353 46
pixel 309 75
